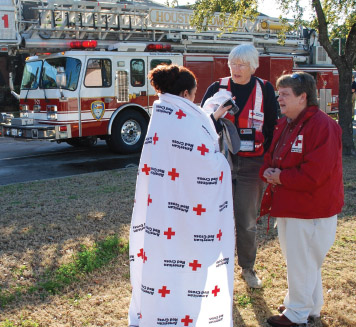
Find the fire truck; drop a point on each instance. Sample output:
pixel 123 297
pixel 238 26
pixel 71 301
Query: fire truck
pixel 86 77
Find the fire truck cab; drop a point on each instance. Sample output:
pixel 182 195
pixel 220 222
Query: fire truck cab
pixel 79 96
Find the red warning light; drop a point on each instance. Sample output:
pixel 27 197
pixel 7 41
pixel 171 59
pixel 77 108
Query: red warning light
pixel 83 44
pixel 158 47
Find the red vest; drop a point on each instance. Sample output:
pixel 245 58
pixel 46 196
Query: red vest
pixel 251 116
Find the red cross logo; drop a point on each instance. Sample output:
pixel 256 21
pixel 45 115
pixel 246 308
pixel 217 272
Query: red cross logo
pixel 149 200
pixel 203 149
pixel 195 264
pixel 216 290
pixel 219 235
pixel 164 291
pixel 142 254
pixel 169 233
pixel 221 176
pixel 187 320
pixel 298 141
pixel 199 209
pixel 180 114
pixel 155 138
pixel 173 173
pixel 146 169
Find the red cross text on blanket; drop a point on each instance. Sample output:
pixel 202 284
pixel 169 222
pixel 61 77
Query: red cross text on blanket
pixel 216 290
pixel 142 254
pixel 199 209
pixel 155 139
pixel 173 173
pixel 146 169
pixel 180 114
pixel 221 176
pixel 219 235
pixel 164 291
pixel 169 233
pixel 203 149
pixel 195 265
pixel 149 200
pixel 187 320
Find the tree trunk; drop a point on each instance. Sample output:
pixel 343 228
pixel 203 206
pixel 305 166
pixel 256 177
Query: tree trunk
pixel 346 110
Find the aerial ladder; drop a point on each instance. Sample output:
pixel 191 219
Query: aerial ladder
pixel 34 25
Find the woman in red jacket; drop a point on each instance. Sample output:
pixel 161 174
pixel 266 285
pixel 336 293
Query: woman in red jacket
pixel 303 169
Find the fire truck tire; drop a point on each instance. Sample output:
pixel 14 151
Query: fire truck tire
pixel 128 132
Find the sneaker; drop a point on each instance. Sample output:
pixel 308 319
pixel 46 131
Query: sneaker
pixel 249 275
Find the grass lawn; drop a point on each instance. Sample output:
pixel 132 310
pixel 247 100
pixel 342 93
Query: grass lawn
pixel 64 257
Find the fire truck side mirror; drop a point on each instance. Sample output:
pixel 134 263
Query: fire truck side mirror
pixel 61 79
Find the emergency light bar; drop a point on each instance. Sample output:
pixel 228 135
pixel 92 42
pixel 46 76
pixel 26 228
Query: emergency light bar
pixel 83 44
pixel 158 47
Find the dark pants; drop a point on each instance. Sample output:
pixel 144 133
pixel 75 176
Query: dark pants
pixel 247 190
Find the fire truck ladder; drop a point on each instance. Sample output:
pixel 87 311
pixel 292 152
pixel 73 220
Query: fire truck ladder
pixel 57 22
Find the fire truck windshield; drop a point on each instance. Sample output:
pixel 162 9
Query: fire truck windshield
pixel 52 66
pixel 31 75
pixel 43 73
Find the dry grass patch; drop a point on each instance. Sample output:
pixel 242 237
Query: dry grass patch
pixel 43 226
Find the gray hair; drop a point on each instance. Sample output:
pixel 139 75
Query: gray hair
pixel 246 53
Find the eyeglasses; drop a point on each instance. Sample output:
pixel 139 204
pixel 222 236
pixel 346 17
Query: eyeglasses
pixel 241 66
pixel 298 77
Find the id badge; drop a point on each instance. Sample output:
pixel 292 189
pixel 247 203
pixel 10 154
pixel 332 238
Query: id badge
pixel 247 137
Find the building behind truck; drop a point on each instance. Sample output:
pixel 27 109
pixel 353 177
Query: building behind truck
pixel 85 77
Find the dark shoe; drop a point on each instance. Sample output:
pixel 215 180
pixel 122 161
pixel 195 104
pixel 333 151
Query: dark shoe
pixel 281 308
pixel 280 321
pixel 311 318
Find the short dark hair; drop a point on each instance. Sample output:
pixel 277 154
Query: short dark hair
pixel 172 79
pixel 300 82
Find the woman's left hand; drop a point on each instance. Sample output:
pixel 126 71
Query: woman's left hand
pixel 220 111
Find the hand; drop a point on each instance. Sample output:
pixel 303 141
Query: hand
pixel 272 175
pixel 221 111
pixel 268 172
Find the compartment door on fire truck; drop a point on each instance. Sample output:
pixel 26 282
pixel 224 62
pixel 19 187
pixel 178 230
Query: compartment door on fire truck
pixel 131 79
pixel 137 80
pixel 97 95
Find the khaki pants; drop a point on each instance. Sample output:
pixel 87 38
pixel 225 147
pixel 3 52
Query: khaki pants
pixel 304 244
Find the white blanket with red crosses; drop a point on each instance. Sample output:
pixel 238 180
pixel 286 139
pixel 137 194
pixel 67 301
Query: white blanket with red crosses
pixel 182 230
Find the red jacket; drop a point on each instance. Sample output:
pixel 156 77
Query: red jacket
pixel 311 164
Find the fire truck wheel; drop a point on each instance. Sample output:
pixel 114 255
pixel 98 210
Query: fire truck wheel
pixel 128 132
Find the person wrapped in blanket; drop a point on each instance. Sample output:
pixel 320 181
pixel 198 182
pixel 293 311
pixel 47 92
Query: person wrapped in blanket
pixel 182 228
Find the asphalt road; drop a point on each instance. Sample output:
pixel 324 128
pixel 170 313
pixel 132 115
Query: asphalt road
pixel 22 161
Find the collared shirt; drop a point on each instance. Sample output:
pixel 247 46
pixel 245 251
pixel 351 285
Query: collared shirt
pixel 288 130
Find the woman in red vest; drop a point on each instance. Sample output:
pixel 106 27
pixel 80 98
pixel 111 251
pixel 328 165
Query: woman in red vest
pixel 255 122
pixel 305 193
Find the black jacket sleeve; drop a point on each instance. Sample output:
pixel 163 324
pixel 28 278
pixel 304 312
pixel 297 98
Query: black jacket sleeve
pixel 270 111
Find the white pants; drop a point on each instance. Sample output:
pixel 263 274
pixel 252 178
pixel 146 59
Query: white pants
pixel 305 243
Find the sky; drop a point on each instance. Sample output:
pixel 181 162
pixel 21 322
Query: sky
pixel 268 7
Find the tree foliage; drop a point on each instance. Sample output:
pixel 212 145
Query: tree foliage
pixel 330 18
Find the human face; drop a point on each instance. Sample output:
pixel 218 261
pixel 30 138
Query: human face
pixel 290 104
pixel 241 72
